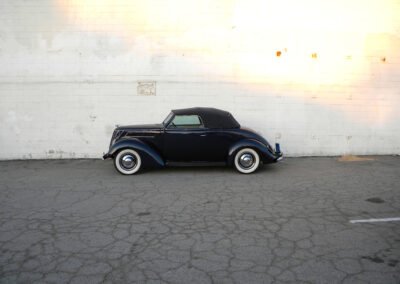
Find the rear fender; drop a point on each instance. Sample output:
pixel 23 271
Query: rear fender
pixel 150 157
pixel 266 155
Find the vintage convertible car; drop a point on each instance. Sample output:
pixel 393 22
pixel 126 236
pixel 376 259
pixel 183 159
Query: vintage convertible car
pixel 201 136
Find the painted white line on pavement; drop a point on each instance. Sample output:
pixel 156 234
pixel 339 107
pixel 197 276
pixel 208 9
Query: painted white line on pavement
pixel 376 220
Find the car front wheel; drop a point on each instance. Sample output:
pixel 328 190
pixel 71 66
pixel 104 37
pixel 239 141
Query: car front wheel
pixel 127 162
pixel 247 161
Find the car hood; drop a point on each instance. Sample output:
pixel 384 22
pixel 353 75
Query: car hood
pixel 140 127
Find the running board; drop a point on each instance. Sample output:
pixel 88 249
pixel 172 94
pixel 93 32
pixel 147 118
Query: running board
pixel 194 164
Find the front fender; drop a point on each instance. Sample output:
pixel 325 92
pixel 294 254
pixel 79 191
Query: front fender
pixel 150 157
pixel 266 155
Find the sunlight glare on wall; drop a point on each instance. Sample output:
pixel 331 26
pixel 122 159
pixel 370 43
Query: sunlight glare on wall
pixel 313 37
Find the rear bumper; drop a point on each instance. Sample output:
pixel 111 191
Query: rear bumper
pixel 278 153
pixel 279 157
pixel 106 156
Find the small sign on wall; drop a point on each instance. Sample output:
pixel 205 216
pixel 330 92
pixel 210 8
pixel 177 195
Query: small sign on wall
pixel 147 88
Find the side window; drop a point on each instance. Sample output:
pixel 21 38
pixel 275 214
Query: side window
pixel 186 121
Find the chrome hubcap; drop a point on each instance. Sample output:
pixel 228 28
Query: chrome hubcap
pixel 246 160
pixel 128 161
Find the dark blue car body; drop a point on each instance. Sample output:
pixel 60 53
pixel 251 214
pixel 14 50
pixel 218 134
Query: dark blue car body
pixel 215 142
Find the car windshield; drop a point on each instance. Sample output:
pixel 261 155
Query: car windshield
pixel 168 118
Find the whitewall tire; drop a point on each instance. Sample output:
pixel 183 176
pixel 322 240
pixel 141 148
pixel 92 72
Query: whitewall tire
pixel 247 161
pixel 127 162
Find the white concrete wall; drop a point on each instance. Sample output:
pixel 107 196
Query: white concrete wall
pixel 69 72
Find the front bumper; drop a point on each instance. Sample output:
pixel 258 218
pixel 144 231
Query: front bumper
pixel 106 156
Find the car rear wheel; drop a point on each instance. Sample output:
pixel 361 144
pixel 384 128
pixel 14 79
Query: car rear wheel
pixel 247 161
pixel 127 162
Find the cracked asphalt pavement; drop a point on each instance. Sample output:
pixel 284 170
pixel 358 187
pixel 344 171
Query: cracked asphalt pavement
pixel 79 221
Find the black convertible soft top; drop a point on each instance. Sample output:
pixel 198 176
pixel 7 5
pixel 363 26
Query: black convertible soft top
pixel 212 117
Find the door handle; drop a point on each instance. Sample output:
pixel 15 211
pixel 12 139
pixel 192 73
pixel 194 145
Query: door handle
pixel 203 135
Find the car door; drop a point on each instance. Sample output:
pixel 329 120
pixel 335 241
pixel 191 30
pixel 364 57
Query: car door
pixel 185 139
